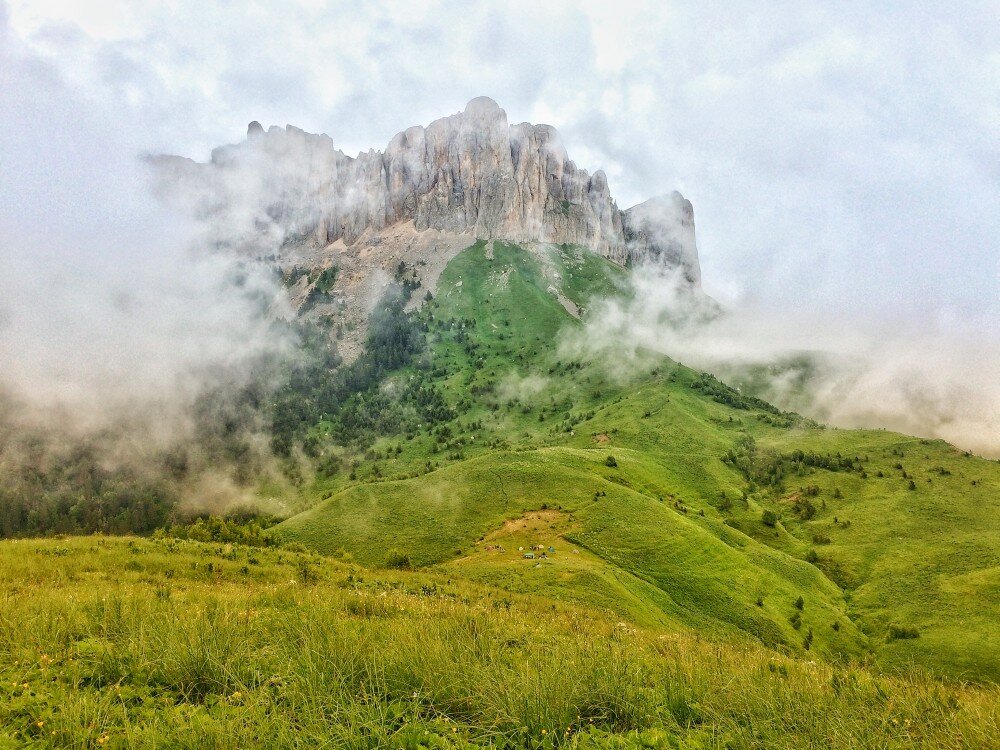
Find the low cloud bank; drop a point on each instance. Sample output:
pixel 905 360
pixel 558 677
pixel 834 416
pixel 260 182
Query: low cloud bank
pixel 849 373
pixel 115 319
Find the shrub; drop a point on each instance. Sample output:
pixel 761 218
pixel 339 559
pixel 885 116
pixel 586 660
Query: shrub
pixel 398 559
pixel 769 518
pixel 901 633
pixel 610 461
pixel 805 509
pixel 305 572
pixel 800 603
pixel 812 557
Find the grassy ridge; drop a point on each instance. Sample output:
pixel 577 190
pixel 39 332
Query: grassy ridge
pixel 926 558
pixel 152 643
pixel 673 533
pixel 663 553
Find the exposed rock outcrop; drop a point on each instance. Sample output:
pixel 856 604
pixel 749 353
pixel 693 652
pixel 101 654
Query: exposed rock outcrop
pixel 661 230
pixel 471 173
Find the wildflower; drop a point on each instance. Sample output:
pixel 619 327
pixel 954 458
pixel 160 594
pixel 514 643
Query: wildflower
pixel 39 724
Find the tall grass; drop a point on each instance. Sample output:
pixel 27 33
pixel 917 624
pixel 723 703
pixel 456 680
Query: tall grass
pixel 135 645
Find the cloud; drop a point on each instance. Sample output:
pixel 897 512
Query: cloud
pixel 832 369
pixel 114 321
pixel 514 387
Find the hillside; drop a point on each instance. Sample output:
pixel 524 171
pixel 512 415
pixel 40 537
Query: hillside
pixel 718 513
pixel 451 503
pixel 142 643
pixel 506 544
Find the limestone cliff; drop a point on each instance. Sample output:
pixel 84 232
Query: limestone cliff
pixel 470 174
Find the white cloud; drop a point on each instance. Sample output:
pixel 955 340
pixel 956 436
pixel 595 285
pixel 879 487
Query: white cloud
pixel 106 312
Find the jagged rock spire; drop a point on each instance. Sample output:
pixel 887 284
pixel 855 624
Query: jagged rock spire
pixel 471 172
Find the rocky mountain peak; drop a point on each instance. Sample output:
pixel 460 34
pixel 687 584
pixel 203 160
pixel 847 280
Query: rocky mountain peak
pixel 661 230
pixel 470 173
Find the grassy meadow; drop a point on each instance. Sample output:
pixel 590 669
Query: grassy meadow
pixel 135 643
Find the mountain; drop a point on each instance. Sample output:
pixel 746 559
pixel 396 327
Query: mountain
pixel 509 545
pixel 715 509
pixel 469 173
pixel 294 197
pixel 504 523
pixel 717 512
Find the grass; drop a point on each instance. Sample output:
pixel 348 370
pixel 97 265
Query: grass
pixel 675 536
pixel 637 544
pixel 152 643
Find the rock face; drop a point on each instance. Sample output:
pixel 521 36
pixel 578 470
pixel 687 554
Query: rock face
pixel 661 230
pixel 470 173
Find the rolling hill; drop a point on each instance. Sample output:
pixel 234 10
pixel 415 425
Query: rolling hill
pixel 718 514
pixel 524 548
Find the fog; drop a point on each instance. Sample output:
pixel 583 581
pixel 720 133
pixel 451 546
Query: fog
pixel 843 371
pixel 114 316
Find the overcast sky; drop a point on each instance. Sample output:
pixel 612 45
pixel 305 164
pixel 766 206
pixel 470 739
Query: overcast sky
pixel 843 158
pixel 836 155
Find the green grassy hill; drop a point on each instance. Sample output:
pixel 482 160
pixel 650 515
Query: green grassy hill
pixel 151 643
pixel 516 547
pixel 718 514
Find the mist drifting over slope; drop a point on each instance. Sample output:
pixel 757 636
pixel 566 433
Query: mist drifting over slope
pixel 847 372
pixel 114 320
